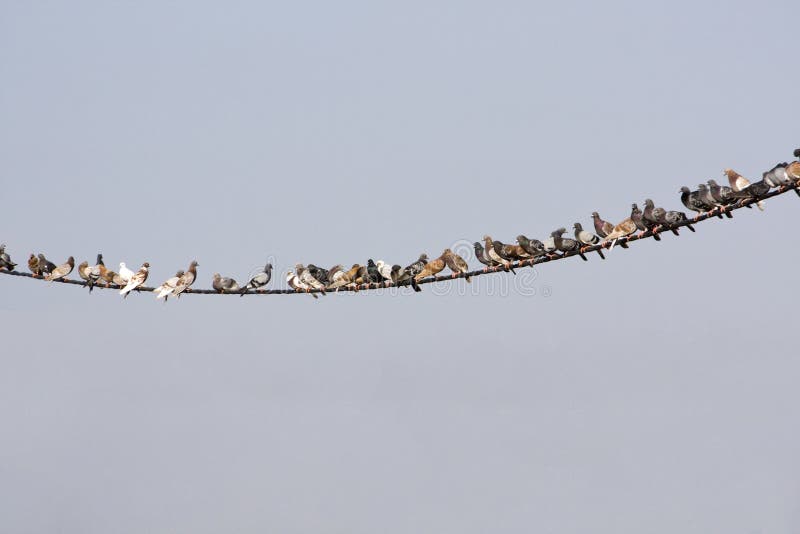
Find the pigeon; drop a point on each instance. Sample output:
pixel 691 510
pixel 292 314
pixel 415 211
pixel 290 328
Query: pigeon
pixel 777 175
pixel 397 273
pixel 319 273
pixel 84 270
pixel 481 256
pixel 384 270
pixel 653 217
pixel 186 280
pixel 356 272
pixel 796 153
pixel 704 193
pixel 261 279
pixel 373 273
pixel 603 228
pixel 431 268
pixel 692 201
pixel 722 193
pixel 33 265
pixel 494 251
pixel 223 284
pixel 5 259
pixel 415 268
pixel 532 247
pixel 112 278
pixel 624 228
pixel 163 291
pixel 62 271
pixel 295 283
pixel 339 277
pixel 307 279
pixel 586 238
pixel 637 216
pixel 566 244
pixel 793 171
pixel 456 263
pixel 125 273
pixel 138 278
pixel 739 183
pixel 676 217
pixel 46 266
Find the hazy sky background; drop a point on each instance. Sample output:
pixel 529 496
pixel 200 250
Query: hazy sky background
pixel 655 392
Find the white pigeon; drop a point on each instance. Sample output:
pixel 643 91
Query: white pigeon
pixel 125 273
pixel 385 270
pixel 136 280
pixel 168 286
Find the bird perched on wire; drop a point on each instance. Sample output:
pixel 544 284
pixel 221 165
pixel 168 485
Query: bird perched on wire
pixel 33 265
pixel 603 228
pixel 223 284
pixel 654 217
pixel 723 194
pixel 260 279
pixel 186 280
pixel 45 266
pixel 637 216
pixel 385 270
pixel 137 280
pixel 625 228
pixel 62 271
pixel 691 199
pixel 319 273
pixel 704 193
pixel 456 263
pixel 677 217
pixel 163 291
pixel 295 283
pixel 414 269
pixel 495 253
pixel 431 268
pixel 532 247
pixel 374 275
pixel 112 279
pixel 777 175
pixel 83 271
pixel 586 238
pixel 740 183
pixel 5 259
pixel 306 277
pixel 566 244
pixel 124 273
pixel 481 256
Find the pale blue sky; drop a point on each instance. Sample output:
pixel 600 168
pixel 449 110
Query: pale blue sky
pixel 654 392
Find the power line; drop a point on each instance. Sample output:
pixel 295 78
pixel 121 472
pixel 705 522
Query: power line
pixel 444 278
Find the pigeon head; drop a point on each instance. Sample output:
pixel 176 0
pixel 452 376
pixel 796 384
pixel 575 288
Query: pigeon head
pixel 685 189
pixel 423 257
pixel 649 203
pixel 713 183
pixel 146 265
pixel 267 267
pixel 701 187
pixel 595 215
pixel 796 153
pixel 577 226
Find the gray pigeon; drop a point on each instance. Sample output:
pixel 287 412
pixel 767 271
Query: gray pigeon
pixel 5 259
pixel 708 198
pixel 259 280
pixel 676 217
pixel 586 237
pixel 566 244
pixel 533 247
pixel 777 176
pixel 637 216
pixel 692 201
pixel 655 216
pixel 224 284
pixel 481 256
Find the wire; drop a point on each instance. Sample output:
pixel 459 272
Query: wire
pixel 444 278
